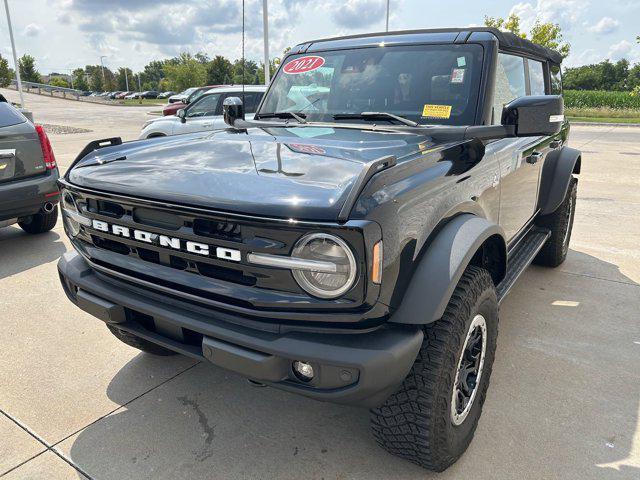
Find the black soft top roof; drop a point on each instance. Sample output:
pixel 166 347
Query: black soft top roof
pixel 506 40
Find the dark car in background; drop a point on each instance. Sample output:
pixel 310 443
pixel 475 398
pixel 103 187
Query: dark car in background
pixel 29 193
pixel 196 93
pixel 148 94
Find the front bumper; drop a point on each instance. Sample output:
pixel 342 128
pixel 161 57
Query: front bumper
pixel 22 198
pixel 356 369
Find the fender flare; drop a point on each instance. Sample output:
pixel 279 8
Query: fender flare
pixel 440 268
pixel 556 176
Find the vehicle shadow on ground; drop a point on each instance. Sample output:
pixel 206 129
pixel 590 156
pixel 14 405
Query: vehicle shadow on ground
pixel 554 410
pixel 20 251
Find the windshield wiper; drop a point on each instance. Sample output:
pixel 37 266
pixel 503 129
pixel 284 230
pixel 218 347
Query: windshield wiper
pixel 368 115
pixel 299 117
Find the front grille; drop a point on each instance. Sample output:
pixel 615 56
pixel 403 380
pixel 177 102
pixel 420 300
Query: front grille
pixel 206 276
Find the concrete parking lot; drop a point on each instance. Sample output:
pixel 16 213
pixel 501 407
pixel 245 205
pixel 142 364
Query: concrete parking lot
pixel 563 403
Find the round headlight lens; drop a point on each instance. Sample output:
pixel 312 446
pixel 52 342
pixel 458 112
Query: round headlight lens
pixel 323 247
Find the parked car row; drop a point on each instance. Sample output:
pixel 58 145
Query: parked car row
pixel 119 95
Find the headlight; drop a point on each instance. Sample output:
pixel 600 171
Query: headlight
pixel 325 249
pixel 71 215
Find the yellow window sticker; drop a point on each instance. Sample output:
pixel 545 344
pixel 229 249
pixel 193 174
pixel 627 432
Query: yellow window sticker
pixel 436 111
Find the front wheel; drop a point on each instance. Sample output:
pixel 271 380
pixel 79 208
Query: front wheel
pixel 433 416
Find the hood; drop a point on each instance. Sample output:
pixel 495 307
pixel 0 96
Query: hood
pixel 300 173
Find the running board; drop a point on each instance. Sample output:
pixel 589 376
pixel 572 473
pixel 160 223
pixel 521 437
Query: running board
pixel 519 260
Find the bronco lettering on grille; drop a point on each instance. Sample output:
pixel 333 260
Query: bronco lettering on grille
pixel 168 242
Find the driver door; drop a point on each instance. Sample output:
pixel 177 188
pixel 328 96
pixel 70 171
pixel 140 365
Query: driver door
pixel 519 158
pixel 200 115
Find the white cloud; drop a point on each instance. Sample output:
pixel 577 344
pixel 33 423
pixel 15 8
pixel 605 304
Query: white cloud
pixel 33 30
pixel 624 49
pixel 605 25
pixel 564 12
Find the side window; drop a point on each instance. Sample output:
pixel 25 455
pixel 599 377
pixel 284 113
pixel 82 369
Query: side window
pixel 252 99
pixel 204 107
pixel 536 77
pixel 510 83
pixel 556 80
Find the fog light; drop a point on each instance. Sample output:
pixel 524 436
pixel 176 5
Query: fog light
pixel 303 371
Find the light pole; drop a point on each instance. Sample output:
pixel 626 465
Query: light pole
pixel 387 27
pixel 15 55
pixel 265 23
pixel 103 79
pixel 126 77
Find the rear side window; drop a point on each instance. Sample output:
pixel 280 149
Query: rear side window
pixel 556 80
pixel 9 115
pixel 251 101
pixel 536 77
pixel 510 83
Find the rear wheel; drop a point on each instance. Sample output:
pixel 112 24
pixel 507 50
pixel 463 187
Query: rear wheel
pixel 139 343
pixel 432 418
pixel 40 222
pixel 560 223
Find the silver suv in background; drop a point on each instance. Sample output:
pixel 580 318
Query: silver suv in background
pixel 29 193
pixel 205 113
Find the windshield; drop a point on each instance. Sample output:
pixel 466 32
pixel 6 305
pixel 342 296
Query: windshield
pixel 429 84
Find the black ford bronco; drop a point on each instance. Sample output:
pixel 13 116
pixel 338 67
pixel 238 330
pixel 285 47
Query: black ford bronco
pixel 354 241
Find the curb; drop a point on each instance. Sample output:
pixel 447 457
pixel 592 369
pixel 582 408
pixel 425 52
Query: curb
pixel 601 124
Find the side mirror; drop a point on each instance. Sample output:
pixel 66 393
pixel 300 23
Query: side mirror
pixel 182 115
pixel 232 110
pixel 534 115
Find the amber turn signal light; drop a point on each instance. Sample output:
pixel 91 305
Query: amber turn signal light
pixel 376 267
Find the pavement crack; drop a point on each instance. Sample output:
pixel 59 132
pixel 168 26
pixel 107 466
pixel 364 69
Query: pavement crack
pixel 586 275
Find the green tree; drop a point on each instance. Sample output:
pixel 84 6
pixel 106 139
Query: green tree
pixel 603 76
pixel 510 24
pixel 188 72
pixel 153 72
pixel 5 72
pixel 219 71
pixel 250 73
pixel 28 71
pixel 80 79
pixel 547 34
pixel 123 74
pixel 273 66
pixel 58 82
pixel 95 77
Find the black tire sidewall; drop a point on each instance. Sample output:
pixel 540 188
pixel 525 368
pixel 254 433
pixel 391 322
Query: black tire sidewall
pixel 461 435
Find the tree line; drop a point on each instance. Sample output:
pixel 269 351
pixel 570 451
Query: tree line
pixel 618 76
pixel 177 74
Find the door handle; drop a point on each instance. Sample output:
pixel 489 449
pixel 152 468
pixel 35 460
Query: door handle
pixel 534 157
pixel 555 144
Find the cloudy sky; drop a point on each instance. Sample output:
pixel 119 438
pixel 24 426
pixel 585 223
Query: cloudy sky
pixel 64 34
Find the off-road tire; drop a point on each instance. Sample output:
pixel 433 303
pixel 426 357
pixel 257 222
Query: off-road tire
pixel 415 422
pixel 560 223
pixel 140 343
pixel 40 222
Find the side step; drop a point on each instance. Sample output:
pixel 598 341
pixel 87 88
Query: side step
pixel 521 258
